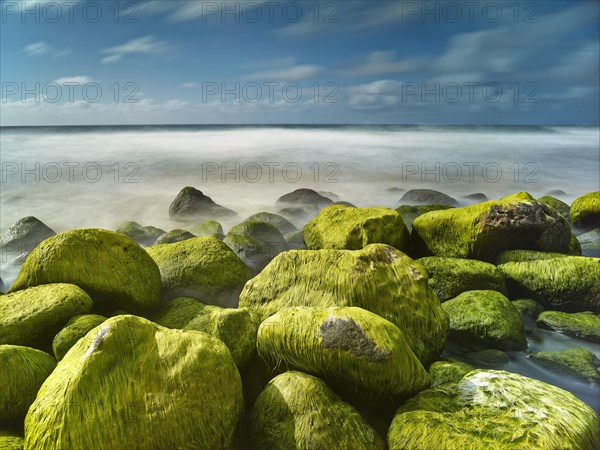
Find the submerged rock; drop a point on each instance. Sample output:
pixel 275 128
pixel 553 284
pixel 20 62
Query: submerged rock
pixel 590 243
pixel 264 232
pixel 578 362
pixel 528 308
pixel 22 237
pixel 295 240
pixel 585 211
pixel 254 254
pixel 296 410
pixel 281 223
pixel 490 357
pixel 377 278
pixel 342 227
pixel 494 409
pixel 138 385
pixel 347 347
pixel 108 266
pixel 410 213
pixel 142 235
pixel 427 197
pixel 76 328
pixel 177 235
pixel 192 204
pixel 476 198
pixel 485 319
pixel 303 197
pixel 446 371
pixel 584 325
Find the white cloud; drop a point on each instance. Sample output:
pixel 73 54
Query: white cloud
pixel 145 45
pixel 189 85
pixel 293 73
pixel 80 79
pixel 383 63
pixel 43 48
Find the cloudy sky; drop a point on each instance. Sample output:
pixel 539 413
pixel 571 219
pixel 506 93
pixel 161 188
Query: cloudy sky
pixel 165 62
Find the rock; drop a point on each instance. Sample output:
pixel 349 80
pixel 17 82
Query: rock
pixel 203 268
pixel 254 254
pixel 484 230
pixel 557 193
pixel 348 204
pixel 410 213
pixel 584 325
pixel 341 227
pixel 446 371
pixel 177 235
pixel 22 237
pixel 526 255
pixel 303 197
pixel 208 228
pixel 494 409
pixel 476 198
pixel 236 328
pixel 585 211
pixel 295 240
pixel 263 232
pixel 377 278
pixel 296 410
pixel 395 190
pixel 569 283
pixel 330 195
pixel 108 266
pixel 75 329
pixel 192 204
pixel 528 308
pixel 489 357
pixel 33 316
pixel 485 319
pixel 281 223
pixel 11 440
pixel 166 388
pixel 590 243
pixel 557 204
pixel 578 362
pixel 427 197
pixel 23 371
pixel 142 235
pixel 344 346
pixel 449 277
pixel 300 215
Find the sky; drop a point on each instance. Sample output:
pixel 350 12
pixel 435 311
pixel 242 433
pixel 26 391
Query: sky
pixel 70 62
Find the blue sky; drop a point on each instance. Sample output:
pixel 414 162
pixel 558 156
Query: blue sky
pixel 165 62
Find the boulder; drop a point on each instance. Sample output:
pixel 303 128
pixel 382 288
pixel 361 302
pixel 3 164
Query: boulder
pixel 296 410
pixel 446 371
pixel 23 371
pixel 22 237
pixel 590 243
pixel 281 223
pixel 377 278
pixel 427 197
pixel 484 230
pixel 342 227
pixel 410 212
pixel 108 266
pixel 485 319
pixel 192 204
pixel 575 362
pixel 449 277
pixel 584 325
pixel 526 255
pixel 254 254
pixel 303 197
pixel 557 204
pixel 585 211
pixel 476 198
pixel 142 235
pixel 203 268
pixel 494 409
pixel 11 440
pixel 528 308
pixel 264 232
pixel 295 240
pixel 489 357
pixel 567 283
pixel 557 193
pixel 177 235
pixel 130 383
pixel 208 228
pixel 76 328
pixel 33 316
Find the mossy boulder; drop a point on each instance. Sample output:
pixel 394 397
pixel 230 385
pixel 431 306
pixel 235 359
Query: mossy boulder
pixel 350 348
pixel 485 319
pixel 484 230
pixel 427 197
pixel 410 212
pixel 177 235
pixel 23 371
pixel 567 283
pixel 110 267
pixel 254 254
pixel 203 268
pixel 449 277
pixel 299 411
pixel 142 235
pixel 446 371
pixel 281 223
pixel 264 232
pixel 22 237
pixel 11 440
pixel 295 240
pixel 237 328
pixel 342 227
pixel 528 308
pixel 557 204
pixel 191 204
pixel 494 409
pixel 378 278
pixel 33 316
pixel 166 388
pixel 302 198
pixel 590 243
pixel 208 228
pixel 526 255
pixel 578 362
pixel 585 211
pixel 584 325
pixel 75 329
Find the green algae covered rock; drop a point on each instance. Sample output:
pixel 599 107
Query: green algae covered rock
pixel 142 235
pixel 528 308
pixel 132 384
pixel 11 440
pixel 75 329
pixel 33 316
pixel 108 266
pixel 449 370
pixel 494 409
pixel 208 228
pixel 264 232
pixel 192 204
pixel 177 235
pixel 203 268
pixel 578 362
pixel 341 227
pixel 585 211
pixel 584 325
pixel 567 283
pixel 237 328
pixel 281 223
pixel 590 243
pixel 484 230
pixel 557 204
pixel 489 357
pixel 526 255
pixel 377 278
pixel 23 371
pixel 449 277
pixel 348 347
pixel 299 411
pixel 485 319
pixel 255 254
pixel 410 212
